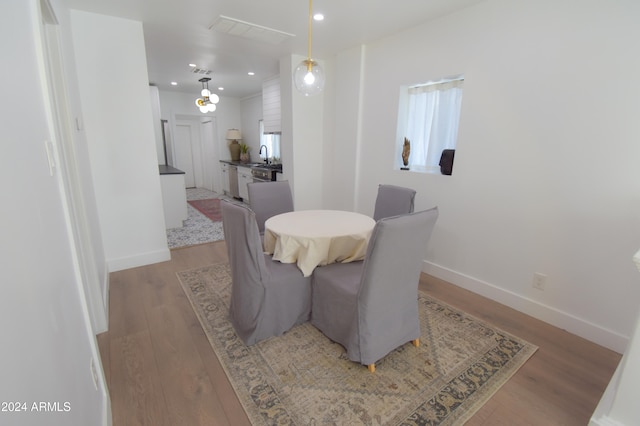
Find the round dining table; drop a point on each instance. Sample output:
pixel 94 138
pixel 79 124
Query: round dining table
pixel 313 238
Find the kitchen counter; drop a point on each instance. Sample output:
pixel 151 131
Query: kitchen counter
pixel 272 169
pixel 261 165
pixel 236 175
pixel 169 170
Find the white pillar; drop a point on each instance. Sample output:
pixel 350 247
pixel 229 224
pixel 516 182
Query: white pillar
pixel 619 405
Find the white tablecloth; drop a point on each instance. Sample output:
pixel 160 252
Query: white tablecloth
pixel 311 238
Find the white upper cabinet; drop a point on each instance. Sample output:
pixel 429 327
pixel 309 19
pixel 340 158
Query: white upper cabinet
pixel 271 105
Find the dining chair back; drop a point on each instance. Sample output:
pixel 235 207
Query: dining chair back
pixel 393 200
pixel 267 297
pixel 268 199
pixel 371 307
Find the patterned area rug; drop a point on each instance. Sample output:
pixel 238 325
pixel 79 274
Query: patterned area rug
pixel 209 207
pixel 302 378
pixel 197 229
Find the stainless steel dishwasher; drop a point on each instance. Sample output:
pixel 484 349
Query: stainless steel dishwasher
pixel 261 175
pixel 233 181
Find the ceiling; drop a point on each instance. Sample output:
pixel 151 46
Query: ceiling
pixel 177 33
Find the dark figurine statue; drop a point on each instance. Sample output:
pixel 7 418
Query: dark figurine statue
pixel 406 150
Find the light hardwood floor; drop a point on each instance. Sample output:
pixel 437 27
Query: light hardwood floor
pixel 161 370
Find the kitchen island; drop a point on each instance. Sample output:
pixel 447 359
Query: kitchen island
pixel 174 196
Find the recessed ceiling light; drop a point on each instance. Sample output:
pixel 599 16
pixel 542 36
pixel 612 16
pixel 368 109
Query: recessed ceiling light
pixel 174 83
pixel 220 88
pixel 251 73
pixel 318 17
pixel 192 65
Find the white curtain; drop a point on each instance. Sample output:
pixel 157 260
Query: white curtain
pixel 432 122
pixel 271 141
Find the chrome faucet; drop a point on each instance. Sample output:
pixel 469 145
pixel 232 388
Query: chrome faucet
pixel 266 153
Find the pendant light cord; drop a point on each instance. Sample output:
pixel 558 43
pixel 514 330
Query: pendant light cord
pixel 309 41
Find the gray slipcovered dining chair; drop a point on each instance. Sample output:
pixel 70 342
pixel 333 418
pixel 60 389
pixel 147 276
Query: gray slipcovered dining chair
pixel 371 307
pixel 267 297
pixel 269 199
pixel 393 200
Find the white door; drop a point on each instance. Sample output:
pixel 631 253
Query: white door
pixel 184 153
pixel 210 175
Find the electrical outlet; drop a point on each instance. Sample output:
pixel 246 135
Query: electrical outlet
pixel 539 281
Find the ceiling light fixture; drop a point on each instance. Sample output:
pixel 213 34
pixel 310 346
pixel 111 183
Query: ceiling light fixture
pixel 308 75
pixel 208 101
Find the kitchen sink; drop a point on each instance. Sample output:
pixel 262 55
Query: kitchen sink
pixel 266 166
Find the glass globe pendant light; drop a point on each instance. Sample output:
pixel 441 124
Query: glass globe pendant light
pixel 208 101
pixel 308 76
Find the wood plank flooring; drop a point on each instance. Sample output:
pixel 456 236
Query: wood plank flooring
pixel 161 370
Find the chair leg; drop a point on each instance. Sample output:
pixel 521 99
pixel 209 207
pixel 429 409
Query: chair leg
pixel 372 367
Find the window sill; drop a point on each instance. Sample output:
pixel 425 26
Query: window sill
pixel 422 169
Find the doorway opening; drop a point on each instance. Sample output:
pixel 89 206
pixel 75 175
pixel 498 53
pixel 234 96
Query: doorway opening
pixel 195 146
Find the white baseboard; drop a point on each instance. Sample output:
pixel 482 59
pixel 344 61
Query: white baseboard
pixel 604 421
pixel 138 260
pixel 105 298
pixel 107 418
pixel 548 314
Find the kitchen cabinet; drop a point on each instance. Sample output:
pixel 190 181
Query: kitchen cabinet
pixel 226 188
pixel 244 177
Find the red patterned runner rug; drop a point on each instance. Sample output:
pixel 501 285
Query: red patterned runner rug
pixel 209 207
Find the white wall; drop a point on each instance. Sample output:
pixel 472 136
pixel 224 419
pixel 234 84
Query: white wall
pixel 154 97
pixel 113 86
pixel 343 140
pixel 48 341
pixel 227 115
pixel 302 136
pixel 546 177
pixel 251 108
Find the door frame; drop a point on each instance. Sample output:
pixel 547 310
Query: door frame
pixel 97 300
pixel 209 134
pixel 188 151
pixel 66 158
